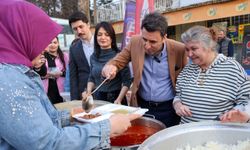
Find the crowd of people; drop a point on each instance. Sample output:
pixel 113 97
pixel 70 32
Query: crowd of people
pixel 28 118
pixel 213 86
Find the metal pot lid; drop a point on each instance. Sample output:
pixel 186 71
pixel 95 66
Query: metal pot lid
pixel 196 134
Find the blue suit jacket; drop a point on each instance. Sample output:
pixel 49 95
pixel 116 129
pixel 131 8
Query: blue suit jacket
pixel 79 70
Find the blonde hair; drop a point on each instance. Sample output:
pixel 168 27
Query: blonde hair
pixel 207 36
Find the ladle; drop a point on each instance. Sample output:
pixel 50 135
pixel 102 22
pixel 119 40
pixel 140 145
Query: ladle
pixel 88 102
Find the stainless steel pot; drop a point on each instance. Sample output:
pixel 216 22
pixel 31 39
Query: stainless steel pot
pixel 143 121
pixel 196 134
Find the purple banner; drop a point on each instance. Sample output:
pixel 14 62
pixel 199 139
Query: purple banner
pixel 129 22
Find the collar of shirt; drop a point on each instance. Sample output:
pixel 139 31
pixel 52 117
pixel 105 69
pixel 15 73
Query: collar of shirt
pixel 162 54
pixel 88 48
pixel 91 42
pixel 21 68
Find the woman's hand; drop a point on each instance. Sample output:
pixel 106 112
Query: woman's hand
pixel 235 116
pixel 57 74
pixel 117 101
pixel 121 122
pixel 50 75
pixel 38 61
pixel 109 71
pixel 182 110
pixel 128 97
pixel 74 111
pixel 85 94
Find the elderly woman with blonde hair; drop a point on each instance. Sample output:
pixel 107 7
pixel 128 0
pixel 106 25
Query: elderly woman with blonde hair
pixel 213 84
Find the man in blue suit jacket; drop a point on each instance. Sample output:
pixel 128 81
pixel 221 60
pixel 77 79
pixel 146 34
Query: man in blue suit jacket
pixel 79 54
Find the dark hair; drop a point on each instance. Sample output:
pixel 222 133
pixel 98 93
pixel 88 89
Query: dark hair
pixel 78 16
pixel 111 32
pixel 155 22
pixel 61 55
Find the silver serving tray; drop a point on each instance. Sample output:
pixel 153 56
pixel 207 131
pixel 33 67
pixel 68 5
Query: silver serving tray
pixel 196 134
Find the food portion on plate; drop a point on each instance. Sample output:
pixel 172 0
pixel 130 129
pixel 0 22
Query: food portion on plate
pixel 120 111
pixel 90 116
pixel 105 111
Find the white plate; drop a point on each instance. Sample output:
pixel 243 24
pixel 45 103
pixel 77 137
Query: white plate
pixel 97 119
pixel 108 110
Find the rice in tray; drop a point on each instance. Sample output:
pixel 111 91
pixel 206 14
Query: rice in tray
pixel 241 145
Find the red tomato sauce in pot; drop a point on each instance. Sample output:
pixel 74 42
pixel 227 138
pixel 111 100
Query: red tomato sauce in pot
pixel 133 136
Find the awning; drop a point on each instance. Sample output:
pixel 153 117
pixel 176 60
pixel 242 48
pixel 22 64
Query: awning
pixel 208 12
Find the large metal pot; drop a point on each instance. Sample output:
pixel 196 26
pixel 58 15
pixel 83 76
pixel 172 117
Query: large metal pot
pixel 143 121
pixel 196 134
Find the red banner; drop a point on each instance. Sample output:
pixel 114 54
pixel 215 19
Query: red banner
pixel 143 7
pixel 133 15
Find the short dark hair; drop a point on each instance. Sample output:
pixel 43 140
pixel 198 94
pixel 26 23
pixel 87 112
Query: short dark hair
pixel 155 22
pixel 78 16
pixel 111 32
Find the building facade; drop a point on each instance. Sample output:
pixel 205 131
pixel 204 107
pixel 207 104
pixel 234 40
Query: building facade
pixel 232 16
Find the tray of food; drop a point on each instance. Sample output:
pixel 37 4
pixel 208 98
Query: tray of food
pixel 104 112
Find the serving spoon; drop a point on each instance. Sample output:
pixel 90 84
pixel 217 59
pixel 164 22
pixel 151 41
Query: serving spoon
pixel 88 102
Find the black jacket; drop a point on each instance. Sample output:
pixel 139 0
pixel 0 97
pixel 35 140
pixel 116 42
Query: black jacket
pixel 79 70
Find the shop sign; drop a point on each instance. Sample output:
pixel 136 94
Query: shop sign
pixel 241 7
pixel 211 12
pixel 187 16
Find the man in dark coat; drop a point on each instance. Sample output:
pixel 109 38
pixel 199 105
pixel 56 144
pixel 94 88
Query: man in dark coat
pixel 225 44
pixel 80 52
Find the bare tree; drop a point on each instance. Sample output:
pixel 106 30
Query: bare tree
pixel 57 8
pixel 51 7
pixel 83 5
pixel 95 14
pixel 68 7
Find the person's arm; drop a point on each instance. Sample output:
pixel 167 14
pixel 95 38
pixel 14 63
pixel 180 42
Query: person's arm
pixel 117 63
pixel 42 71
pixel 29 121
pixel 180 109
pixel 230 49
pixel 126 82
pixel 74 92
pixel 235 116
pixel 90 87
pixel 243 93
pixel 122 93
pixel 39 65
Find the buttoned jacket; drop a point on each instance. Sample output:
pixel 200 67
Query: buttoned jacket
pixel 79 70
